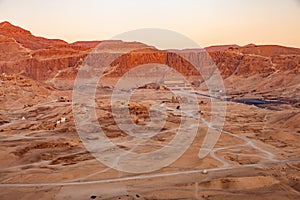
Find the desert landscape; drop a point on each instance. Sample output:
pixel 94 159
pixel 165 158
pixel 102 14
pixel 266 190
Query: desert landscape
pixel 42 156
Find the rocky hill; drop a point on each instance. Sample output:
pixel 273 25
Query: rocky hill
pixel 44 156
pixel 264 68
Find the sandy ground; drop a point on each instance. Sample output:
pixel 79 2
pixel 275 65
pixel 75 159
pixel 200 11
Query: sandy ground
pixel 256 157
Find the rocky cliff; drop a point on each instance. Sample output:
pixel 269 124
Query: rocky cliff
pixel 49 60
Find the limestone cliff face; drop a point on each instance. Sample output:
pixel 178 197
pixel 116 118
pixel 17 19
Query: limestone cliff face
pixel 133 59
pixel 247 61
pixel 42 59
pixel 229 62
pixel 41 69
pixel 35 57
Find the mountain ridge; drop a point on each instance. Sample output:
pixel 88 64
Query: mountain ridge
pixel 54 61
pixel 7 27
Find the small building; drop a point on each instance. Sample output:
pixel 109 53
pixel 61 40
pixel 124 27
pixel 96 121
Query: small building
pixel 177 84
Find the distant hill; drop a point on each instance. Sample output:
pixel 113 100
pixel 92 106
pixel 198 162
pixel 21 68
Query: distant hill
pixel 264 67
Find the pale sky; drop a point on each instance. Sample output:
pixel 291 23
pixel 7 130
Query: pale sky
pixel 208 22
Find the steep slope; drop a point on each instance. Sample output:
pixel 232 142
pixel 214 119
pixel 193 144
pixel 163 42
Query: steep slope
pixel 35 57
pixel 262 69
pixel 26 39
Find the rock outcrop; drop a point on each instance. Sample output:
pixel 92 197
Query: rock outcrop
pixel 49 60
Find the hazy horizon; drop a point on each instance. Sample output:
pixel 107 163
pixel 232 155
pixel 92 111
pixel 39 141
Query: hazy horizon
pixel 208 23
